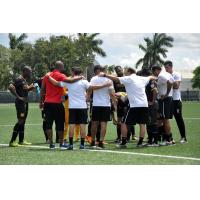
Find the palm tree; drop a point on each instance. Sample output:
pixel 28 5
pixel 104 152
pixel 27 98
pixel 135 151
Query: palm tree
pixel 110 68
pixel 17 42
pixel 155 50
pixel 91 44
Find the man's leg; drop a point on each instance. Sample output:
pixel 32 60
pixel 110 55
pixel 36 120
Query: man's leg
pixel 124 131
pixel 77 131
pixel 14 135
pixel 71 135
pixel 142 134
pixel 179 118
pixel 167 127
pixel 82 133
pixel 94 131
pixel 102 133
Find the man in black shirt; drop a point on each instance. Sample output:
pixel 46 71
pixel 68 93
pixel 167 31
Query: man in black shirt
pixel 20 88
pixel 152 126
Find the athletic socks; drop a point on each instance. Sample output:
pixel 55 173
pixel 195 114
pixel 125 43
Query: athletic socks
pixel 71 140
pixel 124 140
pixel 82 141
pixel 140 141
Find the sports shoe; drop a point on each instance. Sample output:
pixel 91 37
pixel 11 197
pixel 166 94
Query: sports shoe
pixel 13 144
pixel 63 146
pixel 183 141
pixel 70 147
pixel 82 147
pixel 121 146
pixel 104 142
pixel 171 143
pixel 52 146
pixel 25 143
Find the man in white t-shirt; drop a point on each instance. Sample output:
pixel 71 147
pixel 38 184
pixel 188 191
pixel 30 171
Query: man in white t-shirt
pixel 101 108
pixel 177 103
pixel 77 103
pixel 165 101
pixel 138 111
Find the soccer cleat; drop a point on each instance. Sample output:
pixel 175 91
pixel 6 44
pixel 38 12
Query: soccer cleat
pixel 52 146
pixel 82 147
pixel 104 142
pixel 121 146
pixel 70 147
pixel 171 143
pixel 13 144
pixel 183 141
pixel 63 146
pixel 25 143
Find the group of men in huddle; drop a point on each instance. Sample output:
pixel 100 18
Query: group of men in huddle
pixel 149 98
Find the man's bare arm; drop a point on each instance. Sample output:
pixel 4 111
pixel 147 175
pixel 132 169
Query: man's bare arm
pixel 176 84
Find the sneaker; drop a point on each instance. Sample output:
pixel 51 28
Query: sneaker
pixel 183 141
pixel 70 147
pixel 171 143
pixel 25 143
pixel 63 146
pixel 13 144
pixel 121 146
pixel 82 147
pixel 104 142
pixel 52 146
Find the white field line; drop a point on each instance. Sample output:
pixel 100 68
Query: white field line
pixel 120 152
pixel 5 125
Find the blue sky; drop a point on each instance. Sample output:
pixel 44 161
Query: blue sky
pixel 122 49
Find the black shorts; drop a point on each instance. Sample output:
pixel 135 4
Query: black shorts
pixel 54 112
pixel 22 109
pixel 78 116
pixel 138 115
pixel 101 114
pixel 166 108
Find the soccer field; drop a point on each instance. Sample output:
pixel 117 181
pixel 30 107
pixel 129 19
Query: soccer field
pixel 38 152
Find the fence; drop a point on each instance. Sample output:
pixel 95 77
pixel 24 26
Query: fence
pixel 7 97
